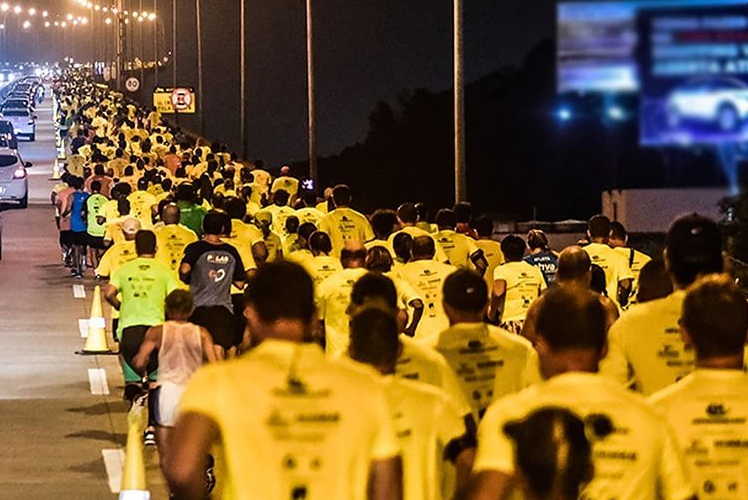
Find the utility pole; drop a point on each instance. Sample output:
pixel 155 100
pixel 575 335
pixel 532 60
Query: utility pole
pixel 311 118
pixel 199 20
pixel 459 106
pixel 120 34
pixel 243 77
pixel 156 20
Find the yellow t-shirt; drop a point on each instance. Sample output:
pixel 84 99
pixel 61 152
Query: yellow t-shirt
pixel 645 348
pixel 495 257
pixel 615 265
pixel 640 260
pixel 274 245
pixel 426 421
pixel 708 411
pixel 333 299
pixel 427 279
pixel 293 423
pixel 171 241
pixel 117 255
pixel 458 247
pixel 287 184
pixel 262 178
pixel 381 243
pixel 638 461
pixel 524 283
pixel 278 217
pixel 322 267
pixel 345 224
pixel 490 362
pixel 415 232
pixel 300 256
pixel 310 215
pixel 141 203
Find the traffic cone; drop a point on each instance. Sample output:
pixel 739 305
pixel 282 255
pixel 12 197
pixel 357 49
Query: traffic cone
pixel 56 175
pixel 133 473
pixel 96 341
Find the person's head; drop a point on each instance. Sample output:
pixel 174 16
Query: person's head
pixel 402 245
pixel 353 255
pixel 96 187
pixel 424 248
pixel 214 223
pixel 309 198
pixel 654 282
pixel 99 169
pixel 445 219
pixel 379 259
pixel 537 240
pixel 292 225
pixel 306 230
pixel 383 222
pixel 142 184
pixel 618 235
pixel 170 214
pixel 179 305
pixel 320 243
pixel 598 281
pixel 553 452
pixel 571 332
pixel 279 302
pixel 574 266
pixel 484 226
pixel 341 196
pixel 145 243
pixel 513 247
pixel 281 198
pixel 235 208
pixel 463 212
pixel 76 182
pixel 693 248
pixel 465 297
pixel 374 338
pixel 407 214
pixel 422 211
pixel 185 192
pixel 715 318
pixel 285 171
pixel 373 289
pixel 598 229
pixel 123 207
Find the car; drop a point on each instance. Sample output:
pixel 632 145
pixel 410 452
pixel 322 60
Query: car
pixel 16 104
pixel 23 121
pixel 14 179
pixel 718 101
pixel 8 135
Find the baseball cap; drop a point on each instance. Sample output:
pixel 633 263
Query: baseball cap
pixel 131 226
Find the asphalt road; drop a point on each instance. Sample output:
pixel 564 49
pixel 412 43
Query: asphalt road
pixel 58 420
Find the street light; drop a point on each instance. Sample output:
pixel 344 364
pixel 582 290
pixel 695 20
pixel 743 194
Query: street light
pixel 5 7
pixel 459 106
pixel 17 9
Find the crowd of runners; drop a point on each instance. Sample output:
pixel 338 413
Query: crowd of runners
pixel 389 355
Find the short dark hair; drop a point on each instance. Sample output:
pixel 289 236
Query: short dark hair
pixel 383 222
pixel 463 212
pixel 281 197
pixel 320 241
pixel 402 245
pixel 445 218
pixel 281 290
pixel 379 259
pixel 292 224
pixel 424 246
pixel 145 242
pixel 618 231
pixel 374 286
pixel 309 197
pixel 599 226
pixel 693 248
pixel 374 336
pixel 353 254
pixel 341 195
pixel 96 186
pixel 513 247
pixel 484 226
pixel 306 230
pixel 654 281
pixel 572 319
pixel 235 208
pixel 715 315
pixel 465 290
pixel 214 223
pixel 407 213
pixel 536 238
pixel 180 300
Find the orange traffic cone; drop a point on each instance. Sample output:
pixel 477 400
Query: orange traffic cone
pixel 133 473
pixel 96 341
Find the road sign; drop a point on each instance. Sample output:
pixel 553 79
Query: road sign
pixel 132 84
pixel 174 100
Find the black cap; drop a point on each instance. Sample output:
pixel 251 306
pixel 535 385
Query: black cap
pixel 694 238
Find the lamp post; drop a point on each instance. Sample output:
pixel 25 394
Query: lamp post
pixel 459 106
pixel 199 20
pixel 243 77
pixel 311 118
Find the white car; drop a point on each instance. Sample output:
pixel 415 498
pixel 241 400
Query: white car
pixel 14 180
pixel 719 101
pixel 23 121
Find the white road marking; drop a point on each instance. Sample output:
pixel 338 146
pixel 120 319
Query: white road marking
pixel 97 381
pixel 114 461
pixel 83 327
pixel 79 292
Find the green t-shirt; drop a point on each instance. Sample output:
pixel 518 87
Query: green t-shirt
pixel 143 285
pixel 94 208
pixel 192 215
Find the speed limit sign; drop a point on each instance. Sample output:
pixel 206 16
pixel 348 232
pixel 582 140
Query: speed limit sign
pixel 132 84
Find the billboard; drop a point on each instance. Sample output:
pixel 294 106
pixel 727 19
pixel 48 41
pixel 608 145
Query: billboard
pixel 693 75
pixel 174 100
pixel 598 42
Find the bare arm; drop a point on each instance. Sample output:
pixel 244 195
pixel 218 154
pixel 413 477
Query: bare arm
pixel 184 272
pixel 110 294
pixel 479 260
pixel 463 466
pixel 499 289
pixel 209 353
pixel 490 485
pixel 185 462
pixel 151 342
pixel 417 306
pixel 386 479
pixel 624 289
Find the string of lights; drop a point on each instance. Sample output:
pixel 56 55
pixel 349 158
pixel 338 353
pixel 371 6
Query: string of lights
pixel 42 18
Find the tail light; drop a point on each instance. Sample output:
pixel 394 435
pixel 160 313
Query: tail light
pixel 31 122
pixel 20 173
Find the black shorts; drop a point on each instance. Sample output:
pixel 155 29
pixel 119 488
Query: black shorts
pixel 79 239
pixel 66 238
pixel 96 242
pixel 240 322
pixel 132 338
pixel 219 322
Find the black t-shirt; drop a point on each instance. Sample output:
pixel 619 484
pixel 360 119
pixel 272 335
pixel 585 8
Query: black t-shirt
pixel 214 268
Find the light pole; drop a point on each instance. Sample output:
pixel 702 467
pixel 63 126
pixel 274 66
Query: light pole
pixel 311 118
pixel 243 77
pixel 199 20
pixel 459 106
pixel 155 43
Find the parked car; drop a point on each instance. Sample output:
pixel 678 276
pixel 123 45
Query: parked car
pixel 14 179
pixel 23 121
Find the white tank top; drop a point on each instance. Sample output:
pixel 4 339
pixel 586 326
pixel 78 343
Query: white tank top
pixel 181 352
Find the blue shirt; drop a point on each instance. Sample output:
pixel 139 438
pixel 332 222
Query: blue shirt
pixel 548 264
pixel 78 223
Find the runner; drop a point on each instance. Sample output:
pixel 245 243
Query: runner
pixel 619 240
pixel 344 224
pixel 94 213
pixel 75 210
pixel 462 251
pixel 322 265
pixel 172 238
pixel 618 276
pixel 542 256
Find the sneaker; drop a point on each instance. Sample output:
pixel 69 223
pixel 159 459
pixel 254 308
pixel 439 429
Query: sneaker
pixel 149 436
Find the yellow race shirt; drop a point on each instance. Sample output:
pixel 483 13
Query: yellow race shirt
pixel 422 363
pixel 524 283
pixel 495 257
pixel 415 232
pixel 490 362
pixel 427 279
pixel 300 256
pixel 274 244
pixel 171 240
pixel 116 256
pixel 293 423
pixel 287 184
pixel 708 411
pixel 615 265
pixel 141 203
pixel 458 247
pixel 645 348
pixel 310 215
pixel 333 300
pixel 381 243
pixel 636 261
pixel 278 217
pixel 345 224
pixel 322 267
pixel 426 421
pixel 638 461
